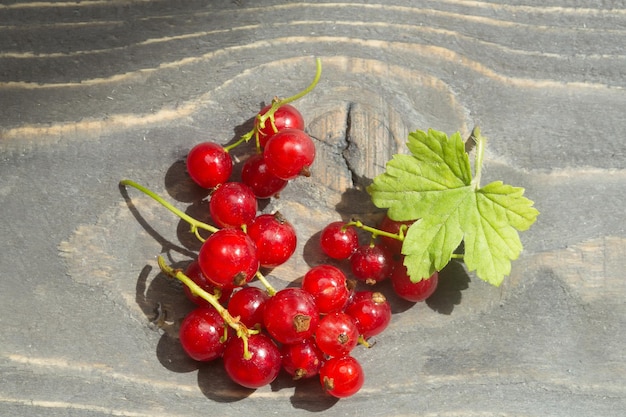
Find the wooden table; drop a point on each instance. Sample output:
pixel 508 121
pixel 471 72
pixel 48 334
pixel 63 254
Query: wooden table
pixel 93 92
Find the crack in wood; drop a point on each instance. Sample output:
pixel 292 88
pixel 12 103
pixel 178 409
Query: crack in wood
pixel 348 143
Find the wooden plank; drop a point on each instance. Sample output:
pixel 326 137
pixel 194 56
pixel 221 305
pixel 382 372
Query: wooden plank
pixel 95 91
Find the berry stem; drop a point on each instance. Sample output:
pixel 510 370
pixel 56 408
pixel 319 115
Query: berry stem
pixel 276 103
pixel 318 74
pixel 241 140
pixel 195 224
pixel 195 288
pixel 377 232
pixel 362 341
pixel 241 330
pixel 270 290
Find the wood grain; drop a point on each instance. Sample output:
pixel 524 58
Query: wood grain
pixel 95 91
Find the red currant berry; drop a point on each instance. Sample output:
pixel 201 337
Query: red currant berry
pixel 260 369
pixel 371 263
pixel 209 165
pixel 201 333
pixel 248 304
pixel 285 117
pixel 337 334
pixel 256 175
pixel 339 241
pixel 329 286
pixel 228 258
pixel 392 226
pixel 233 204
pixel 195 274
pixel 371 312
pixel 289 153
pixel 303 359
pixel 412 291
pixel 342 377
pixel 274 237
pixel 291 315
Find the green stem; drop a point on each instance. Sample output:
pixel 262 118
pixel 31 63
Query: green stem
pixel 270 290
pixel 195 224
pixel 377 232
pixel 243 139
pixel 364 342
pixel 240 328
pixel 480 153
pixel 276 103
pixel 318 74
pixel 195 288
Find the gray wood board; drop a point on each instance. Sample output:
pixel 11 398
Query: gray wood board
pixel 93 92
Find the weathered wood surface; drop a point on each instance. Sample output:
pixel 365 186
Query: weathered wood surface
pixel 92 92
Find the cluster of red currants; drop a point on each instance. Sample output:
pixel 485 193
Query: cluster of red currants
pixel 232 255
pixel 307 331
pixel 379 259
pixel 287 152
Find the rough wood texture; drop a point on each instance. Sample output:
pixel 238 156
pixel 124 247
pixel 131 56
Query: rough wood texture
pixel 95 91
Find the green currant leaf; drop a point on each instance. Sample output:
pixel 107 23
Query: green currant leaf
pixel 413 184
pixel 434 186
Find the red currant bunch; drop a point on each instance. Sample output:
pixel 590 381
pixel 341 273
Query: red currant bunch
pixel 308 331
pixel 305 331
pixel 379 259
pixel 284 151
